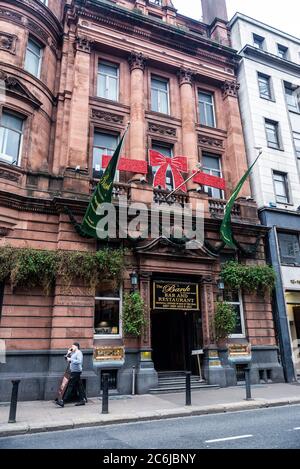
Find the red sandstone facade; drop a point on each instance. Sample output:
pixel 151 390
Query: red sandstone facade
pixel 61 111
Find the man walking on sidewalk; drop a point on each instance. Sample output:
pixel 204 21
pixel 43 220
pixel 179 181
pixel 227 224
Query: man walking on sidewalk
pixel 75 358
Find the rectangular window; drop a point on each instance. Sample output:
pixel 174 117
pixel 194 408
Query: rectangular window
pixel 281 187
pixel 272 132
pixel 108 81
pixel 211 165
pixel 234 298
pixel 206 109
pixel 296 136
pixel 108 305
pixel 33 58
pixel 291 98
pixel 289 247
pixel 159 95
pixel 104 144
pixel 11 134
pixel 282 51
pixel 258 41
pixel 166 151
pixel 264 83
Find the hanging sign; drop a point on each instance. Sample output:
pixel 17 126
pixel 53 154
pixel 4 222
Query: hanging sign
pixel 176 296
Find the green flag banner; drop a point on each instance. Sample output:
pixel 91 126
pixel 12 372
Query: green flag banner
pixel 225 231
pixel 102 194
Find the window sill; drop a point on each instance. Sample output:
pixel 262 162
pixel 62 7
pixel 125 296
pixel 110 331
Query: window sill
pixel 268 99
pixel 277 149
pixel 107 336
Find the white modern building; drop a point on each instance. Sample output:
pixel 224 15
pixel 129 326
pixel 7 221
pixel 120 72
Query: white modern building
pixel 269 77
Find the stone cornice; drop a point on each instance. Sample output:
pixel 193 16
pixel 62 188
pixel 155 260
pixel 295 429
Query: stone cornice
pixel 159 32
pixel 270 59
pixel 41 11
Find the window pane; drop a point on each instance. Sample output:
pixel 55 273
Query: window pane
pixel 101 86
pixel 206 98
pixel 211 165
pixel 289 248
pixel 272 135
pixel 163 103
pixel 159 84
pixel 12 122
pixel 297 143
pixel 107 69
pixel 291 100
pixel 264 86
pixel 238 328
pixel 206 109
pixel 107 317
pixel 154 100
pixel 167 151
pixel 211 162
pixel 104 144
pixel 32 63
pixel 108 81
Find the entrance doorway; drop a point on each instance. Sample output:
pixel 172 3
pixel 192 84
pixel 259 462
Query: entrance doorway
pixel 174 335
pixel 293 310
pixel 296 311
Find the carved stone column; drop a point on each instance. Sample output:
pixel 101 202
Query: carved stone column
pixel 235 156
pixel 79 118
pixel 137 109
pixel 147 377
pixel 207 298
pixel 188 116
pixel 214 372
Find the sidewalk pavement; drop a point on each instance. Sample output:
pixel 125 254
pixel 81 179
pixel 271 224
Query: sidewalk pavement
pixel 42 416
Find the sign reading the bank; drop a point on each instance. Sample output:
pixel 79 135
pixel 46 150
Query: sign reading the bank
pixel 176 296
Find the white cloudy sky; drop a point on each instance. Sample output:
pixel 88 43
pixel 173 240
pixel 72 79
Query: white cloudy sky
pixel 281 14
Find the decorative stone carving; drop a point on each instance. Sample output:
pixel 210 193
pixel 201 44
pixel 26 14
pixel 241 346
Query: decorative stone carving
pixel 185 76
pixel 137 61
pixel 14 87
pixel 4 231
pixel 161 130
pixel 107 116
pixel 210 141
pixel 10 15
pixel 230 88
pixel 9 175
pixel 8 42
pixel 83 44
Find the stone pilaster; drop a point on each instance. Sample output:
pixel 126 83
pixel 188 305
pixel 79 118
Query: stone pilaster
pixel 79 117
pixel 137 63
pixel 188 116
pixel 235 148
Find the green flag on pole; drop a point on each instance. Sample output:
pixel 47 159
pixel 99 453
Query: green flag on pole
pixel 102 194
pixel 226 232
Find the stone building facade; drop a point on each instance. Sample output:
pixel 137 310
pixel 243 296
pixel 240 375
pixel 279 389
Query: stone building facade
pixel 75 72
pixel 269 74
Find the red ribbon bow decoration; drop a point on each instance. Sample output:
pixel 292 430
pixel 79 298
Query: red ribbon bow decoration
pixel 178 164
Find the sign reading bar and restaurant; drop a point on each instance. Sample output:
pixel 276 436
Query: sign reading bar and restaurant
pixel 176 296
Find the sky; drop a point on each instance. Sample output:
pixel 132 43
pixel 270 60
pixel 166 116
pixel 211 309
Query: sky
pixel 281 14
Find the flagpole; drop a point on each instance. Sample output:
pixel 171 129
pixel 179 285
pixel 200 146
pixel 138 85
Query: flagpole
pixel 184 182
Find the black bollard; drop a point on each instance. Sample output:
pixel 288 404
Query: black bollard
pixel 188 396
pixel 14 401
pixel 105 393
pixel 248 384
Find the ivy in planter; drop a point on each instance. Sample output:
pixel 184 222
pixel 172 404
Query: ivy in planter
pixel 30 268
pixel 225 321
pixel 133 316
pixel 251 278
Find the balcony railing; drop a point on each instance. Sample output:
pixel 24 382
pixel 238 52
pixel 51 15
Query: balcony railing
pixel 160 197
pixel 217 208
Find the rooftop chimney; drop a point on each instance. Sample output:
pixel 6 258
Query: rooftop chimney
pixel 212 9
